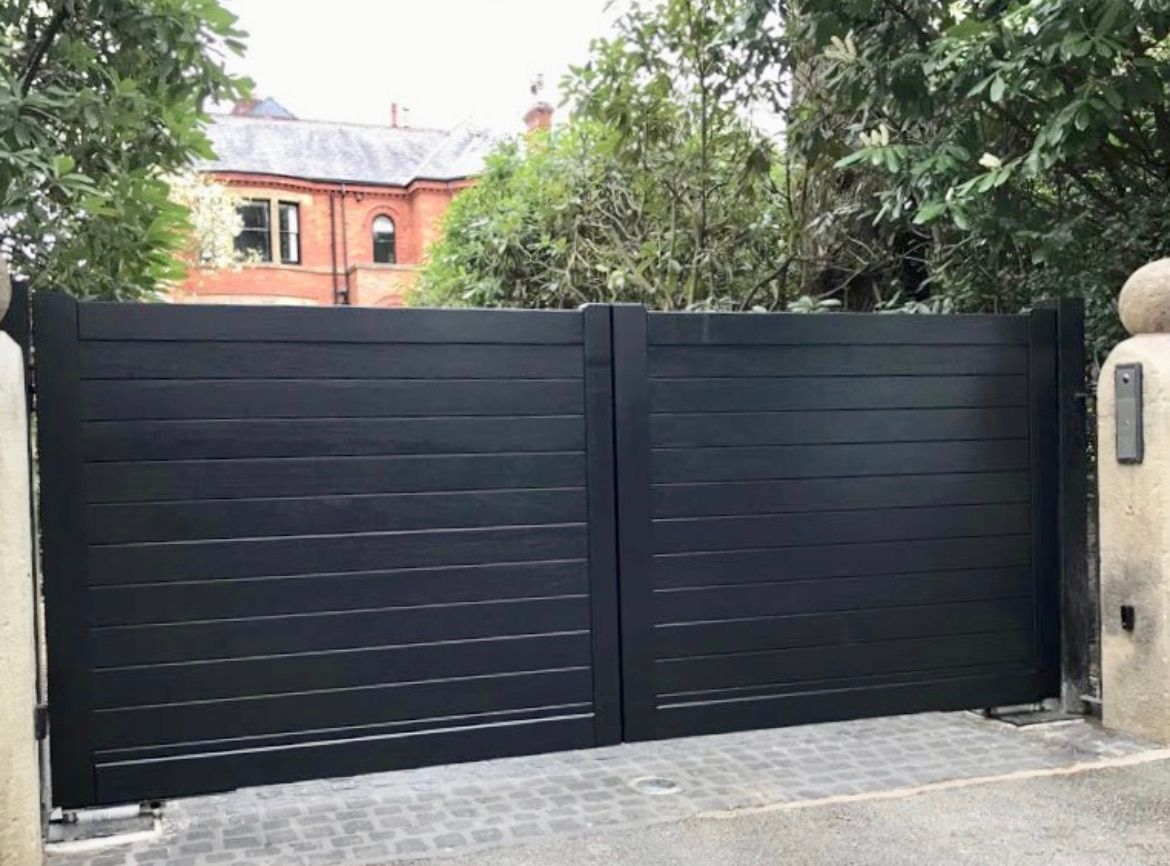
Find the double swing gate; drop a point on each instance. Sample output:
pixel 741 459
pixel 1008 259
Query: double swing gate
pixel 285 543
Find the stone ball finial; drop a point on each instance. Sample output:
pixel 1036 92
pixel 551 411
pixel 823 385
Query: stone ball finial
pixel 1144 303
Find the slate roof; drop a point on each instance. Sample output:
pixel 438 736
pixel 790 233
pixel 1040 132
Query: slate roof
pixel 319 150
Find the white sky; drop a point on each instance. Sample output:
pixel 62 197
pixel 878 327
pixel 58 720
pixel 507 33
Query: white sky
pixel 445 60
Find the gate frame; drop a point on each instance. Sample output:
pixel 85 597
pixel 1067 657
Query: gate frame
pixel 62 513
pixel 1079 584
pixel 601 516
pixel 58 324
pixel 1057 469
pixel 618 483
pixel 1044 469
pixel 632 468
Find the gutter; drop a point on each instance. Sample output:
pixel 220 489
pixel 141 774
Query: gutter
pixel 344 248
pixel 333 245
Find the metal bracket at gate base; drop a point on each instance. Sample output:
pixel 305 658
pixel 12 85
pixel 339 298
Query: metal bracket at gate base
pixel 1127 381
pixel 106 823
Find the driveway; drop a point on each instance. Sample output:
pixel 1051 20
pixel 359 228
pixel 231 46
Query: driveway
pixel 1112 817
pixel 702 800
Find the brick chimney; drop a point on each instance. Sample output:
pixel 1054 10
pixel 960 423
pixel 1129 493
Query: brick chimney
pixel 539 117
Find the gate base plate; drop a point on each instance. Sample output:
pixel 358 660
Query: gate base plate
pixel 1029 714
pixel 105 825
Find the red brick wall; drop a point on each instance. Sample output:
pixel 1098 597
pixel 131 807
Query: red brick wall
pixel 380 285
pixel 415 209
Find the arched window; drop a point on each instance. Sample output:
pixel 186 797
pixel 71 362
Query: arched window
pixel 385 252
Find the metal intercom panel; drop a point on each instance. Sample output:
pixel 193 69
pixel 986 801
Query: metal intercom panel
pixel 1127 381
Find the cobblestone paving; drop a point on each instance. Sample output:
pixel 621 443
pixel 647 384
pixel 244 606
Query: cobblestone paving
pixel 416 814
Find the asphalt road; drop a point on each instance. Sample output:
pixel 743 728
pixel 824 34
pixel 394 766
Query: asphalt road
pixel 1113 817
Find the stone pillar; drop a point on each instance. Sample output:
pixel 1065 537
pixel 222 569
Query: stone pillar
pixel 20 804
pixel 1134 501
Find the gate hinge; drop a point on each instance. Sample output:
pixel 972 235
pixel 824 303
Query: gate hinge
pixel 41 721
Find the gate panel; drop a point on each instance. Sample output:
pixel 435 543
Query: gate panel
pixel 825 517
pixel 286 543
pixel 283 544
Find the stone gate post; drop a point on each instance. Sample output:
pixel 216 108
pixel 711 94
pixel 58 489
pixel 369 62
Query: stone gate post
pixel 20 810
pixel 1133 470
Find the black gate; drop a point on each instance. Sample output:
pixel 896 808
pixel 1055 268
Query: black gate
pixel 286 543
pixel 826 517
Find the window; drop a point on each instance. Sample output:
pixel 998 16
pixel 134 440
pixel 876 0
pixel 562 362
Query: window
pixel 290 233
pixel 255 239
pixel 263 229
pixel 384 249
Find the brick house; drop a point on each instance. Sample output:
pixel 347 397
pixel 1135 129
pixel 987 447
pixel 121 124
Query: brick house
pixel 334 213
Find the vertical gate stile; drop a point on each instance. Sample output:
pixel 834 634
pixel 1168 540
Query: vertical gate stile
pixel 1044 456
pixel 1078 594
pixel 62 501
pixel 632 439
pixel 600 495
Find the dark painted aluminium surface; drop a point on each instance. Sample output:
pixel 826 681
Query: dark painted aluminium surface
pixel 826 517
pixel 283 544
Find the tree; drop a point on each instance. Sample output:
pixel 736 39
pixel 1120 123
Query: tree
pixel 100 101
pixel 214 219
pixel 660 189
pixel 1022 146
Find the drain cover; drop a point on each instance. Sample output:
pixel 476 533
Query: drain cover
pixel 655 786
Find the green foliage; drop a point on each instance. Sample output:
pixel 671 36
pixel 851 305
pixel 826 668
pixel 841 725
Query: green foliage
pixel 99 101
pixel 1022 146
pixel 659 190
pixel 960 156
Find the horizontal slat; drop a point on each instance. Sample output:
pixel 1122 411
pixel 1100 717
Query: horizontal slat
pixel 325 360
pixel 272 596
pixel 819 629
pixel 133 780
pixel 818 686
pixel 831 461
pixel 198 560
pixel 856 328
pixel 789 598
pixel 189 440
pixel 264 714
pixel 836 392
pixel 690 362
pixel 955 690
pixel 826 662
pixel 838 560
pixel 323 736
pixel 336 398
pixel 235 479
pixel 677 535
pixel 243 518
pixel 119 321
pixel 115 646
pixel 246 677
pixel 823 494
pixel 811 428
